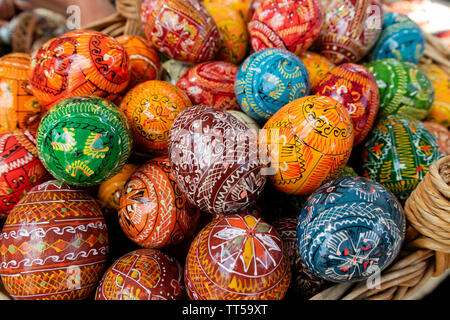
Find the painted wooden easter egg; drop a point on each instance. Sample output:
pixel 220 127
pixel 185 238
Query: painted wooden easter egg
pixel 153 211
pixel 143 274
pixel 254 4
pixel 309 141
pixel 401 39
pixel 398 152
pixel 180 29
pixel 144 59
pixel 20 167
pixel 404 88
pixel 84 140
pixel 233 33
pixel 211 83
pixel 304 282
pixel 440 109
pixel 172 70
pixel 214 158
pixel 245 119
pixel 54 244
pixel 79 63
pixel 237 258
pixel 355 88
pixel 286 24
pixel 350 30
pixel 316 65
pixel 19 109
pixel 150 109
pixel 350 229
pixel 240 6
pixel 442 135
pixel 110 190
pixel 268 80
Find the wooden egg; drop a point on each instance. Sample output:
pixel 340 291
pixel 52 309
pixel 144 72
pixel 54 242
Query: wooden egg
pixel 234 39
pixel 440 108
pixel 144 59
pixel 401 39
pixel 180 29
pixel 350 30
pixel 317 65
pixel 304 282
pixel 110 190
pixel 308 141
pixel 286 24
pixel 355 88
pixel 237 258
pixel 442 135
pixel 211 83
pixel 350 229
pixel 20 167
pixel 398 152
pixel 79 63
pixel 54 244
pixel 404 88
pixel 214 158
pixel 84 140
pixel 240 6
pixel 143 274
pixel 153 212
pixel 150 109
pixel 245 119
pixel 268 80
pixel 19 109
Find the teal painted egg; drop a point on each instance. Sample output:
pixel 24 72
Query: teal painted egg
pixel 398 153
pixel 84 141
pixel 268 80
pixel 400 39
pixel 404 88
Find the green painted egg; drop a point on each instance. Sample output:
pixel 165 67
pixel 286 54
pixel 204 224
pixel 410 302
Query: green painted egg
pixel 84 141
pixel 404 88
pixel 398 154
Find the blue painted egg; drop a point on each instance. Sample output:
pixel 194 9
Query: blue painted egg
pixel 268 80
pixel 350 229
pixel 401 39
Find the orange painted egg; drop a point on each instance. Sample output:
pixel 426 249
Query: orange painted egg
pixel 153 211
pixel 79 63
pixel 143 274
pixel 150 109
pixel 54 244
pixel 240 6
pixel 309 142
pixel 354 86
pixel 350 30
pixel 109 191
pixel 233 33
pixel 440 109
pixel 20 167
pixel 317 65
pixel 211 83
pixel 144 59
pixel 237 257
pixel 180 29
pixel 19 109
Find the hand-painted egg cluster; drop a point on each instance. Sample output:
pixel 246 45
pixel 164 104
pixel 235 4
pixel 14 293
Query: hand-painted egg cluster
pixel 231 150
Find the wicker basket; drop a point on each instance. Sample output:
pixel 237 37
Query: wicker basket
pixel 426 252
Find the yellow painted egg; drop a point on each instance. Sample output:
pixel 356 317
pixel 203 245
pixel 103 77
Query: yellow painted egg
pixel 317 65
pixel 440 109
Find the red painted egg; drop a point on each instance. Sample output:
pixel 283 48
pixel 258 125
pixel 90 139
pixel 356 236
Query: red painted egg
pixel 144 59
pixel 20 167
pixel 237 258
pixel 181 29
pixel 79 63
pixel 356 89
pixel 287 24
pixel 53 245
pixel 214 158
pixel 153 212
pixel 143 274
pixel 350 30
pixel 442 135
pixel 211 83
